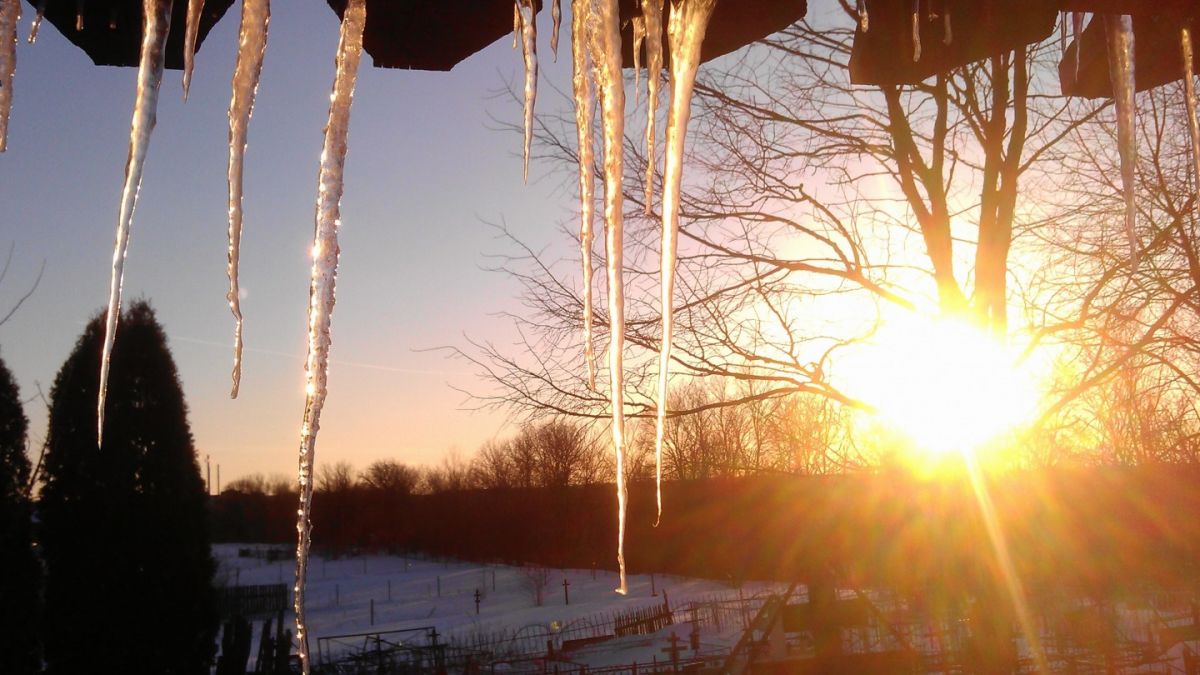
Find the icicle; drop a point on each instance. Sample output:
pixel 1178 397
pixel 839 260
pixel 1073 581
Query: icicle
pixel 652 10
pixel 528 14
pixel 1119 31
pixel 156 17
pixel 1077 35
pixel 1062 35
pixel 685 29
pixel 10 17
pixel 555 19
pixel 252 45
pixel 516 25
pixel 321 289
pixel 605 45
pixel 639 39
pixel 195 7
pixel 947 26
pixel 1189 89
pixel 78 15
pixel 584 114
pixel 864 19
pixel 916 30
pixel 37 21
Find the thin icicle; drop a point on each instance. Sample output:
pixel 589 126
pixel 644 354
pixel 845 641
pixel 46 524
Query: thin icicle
pixel 639 39
pixel 321 288
pixel 37 21
pixel 864 19
pixel 1077 35
pixel 555 19
pixel 685 29
pixel 156 17
pixel 1062 35
pixel 252 45
pixel 10 17
pixel 948 27
pixel 581 83
pixel 1189 89
pixel 916 30
pixel 78 15
pixel 516 25
pixel 605 45
pixel 652 10
pixel 195 8
pixel 527 12
pixel 1119 31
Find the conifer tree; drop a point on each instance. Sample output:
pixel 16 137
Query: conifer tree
pixel 123 526
pixel 20 571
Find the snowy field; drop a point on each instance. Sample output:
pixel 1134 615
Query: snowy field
pixel 410 592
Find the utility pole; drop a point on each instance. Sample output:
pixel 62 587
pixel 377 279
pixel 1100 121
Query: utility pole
pixel 208 475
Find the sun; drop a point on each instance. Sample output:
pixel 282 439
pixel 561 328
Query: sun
pixel 942 382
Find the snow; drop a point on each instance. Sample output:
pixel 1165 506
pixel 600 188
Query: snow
pixel 340 594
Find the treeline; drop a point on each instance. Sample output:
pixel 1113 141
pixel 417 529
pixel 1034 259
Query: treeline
pixel 1095 530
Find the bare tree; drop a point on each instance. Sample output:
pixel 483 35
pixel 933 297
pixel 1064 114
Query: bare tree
pixel 390 476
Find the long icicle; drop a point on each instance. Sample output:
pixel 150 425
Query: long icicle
pixel 864 18
pixel 606 54
pixel 686 25
pixel 528 14
pixel 1189 89
pixel 581 83
pixel 652 10
pixel 156 17
pixel 252 45
pixel 321 289
pixel 555 20
pixel 1077 36
pixel 195 8
pixel 1119 32
pixel 10 17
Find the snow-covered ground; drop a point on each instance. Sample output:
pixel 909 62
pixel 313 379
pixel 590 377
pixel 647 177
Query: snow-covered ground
pixel 411 592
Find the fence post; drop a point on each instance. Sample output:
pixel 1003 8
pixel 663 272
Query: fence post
pixel 372 611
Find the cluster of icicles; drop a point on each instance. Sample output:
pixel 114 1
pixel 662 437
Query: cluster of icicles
pixel 596 81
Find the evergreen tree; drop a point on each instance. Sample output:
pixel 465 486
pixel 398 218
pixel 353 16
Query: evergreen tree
pixel 123 527
pixel 20 571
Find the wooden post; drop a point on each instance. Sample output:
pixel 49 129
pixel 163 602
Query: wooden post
pixel 493 581
pixel 566 593
pixel 372 611
pixel 653 588
pixel 476 601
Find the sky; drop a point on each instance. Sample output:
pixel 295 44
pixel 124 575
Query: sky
pixel 427 175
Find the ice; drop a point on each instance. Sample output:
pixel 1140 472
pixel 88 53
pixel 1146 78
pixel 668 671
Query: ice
pixel 252 45
pixel 195 7
pixel 321 288
pixel 79 15
pixel 527 22
pixel 37 21
pixel 864 19
pixel 1189 89
pixel 639 39
pixel 686 25
pixel 555 19
pixel 156 17
pixel 652 10
pixel 1077 33
pixel 10 16
pixel 581 83
pixel 1119 32
pixel 605 44
pixel 916 30
pixel 948 26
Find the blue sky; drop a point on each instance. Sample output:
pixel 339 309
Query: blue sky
pixel 425 174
